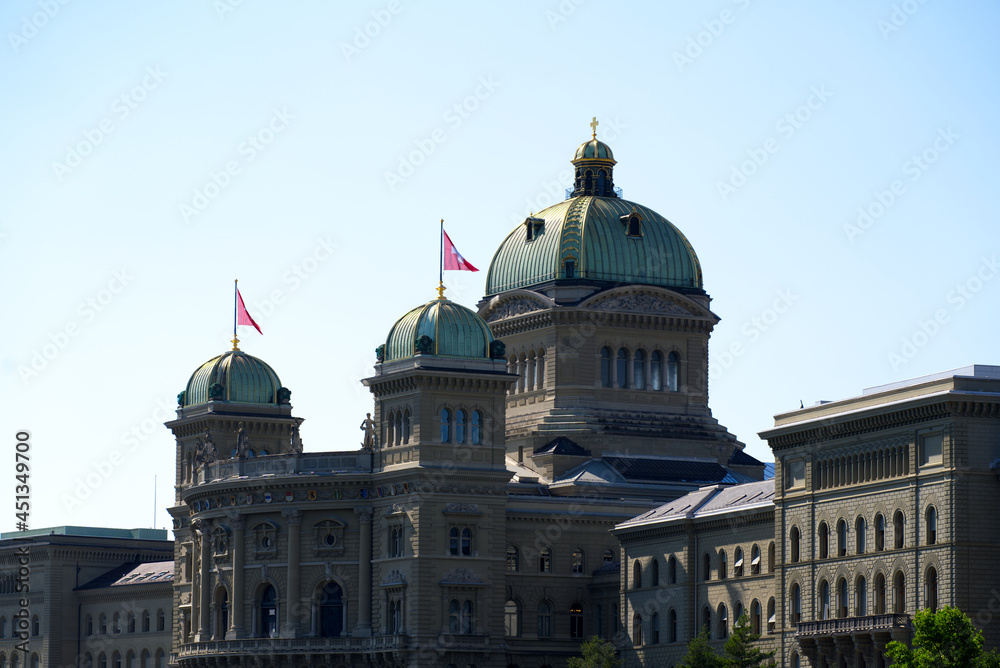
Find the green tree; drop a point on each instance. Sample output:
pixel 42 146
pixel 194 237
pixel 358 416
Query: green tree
pixel 942 639
pixel 989 659
pixel 597 653
pixel 740 649
pixel 700 654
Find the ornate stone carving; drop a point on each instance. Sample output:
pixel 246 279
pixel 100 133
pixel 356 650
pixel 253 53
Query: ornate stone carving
pixel 641 303
pixel 293 517
pixel 462 576
pixel 394 577
pixel 424 344
pixel 512 308
pixel 395 508
pixel 462 508
pixel 364 514
pixel 498 349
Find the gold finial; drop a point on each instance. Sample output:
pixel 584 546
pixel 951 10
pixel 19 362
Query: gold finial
pixel 440 290
pixel 593 126
pixel 235 342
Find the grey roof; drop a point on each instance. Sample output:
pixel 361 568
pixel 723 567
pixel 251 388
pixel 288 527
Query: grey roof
pixel 134 574
pixel 635 469
pixel 741 458
pixel 708 501
pixel 562 446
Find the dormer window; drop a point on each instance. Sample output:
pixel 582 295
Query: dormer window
pixel 533 227
pixel 570 268
pixel 633 224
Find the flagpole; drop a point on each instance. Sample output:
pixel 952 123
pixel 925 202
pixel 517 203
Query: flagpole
pixel 236 292
pixel 441 262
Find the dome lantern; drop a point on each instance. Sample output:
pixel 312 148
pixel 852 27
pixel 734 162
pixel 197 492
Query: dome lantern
pixel 594 167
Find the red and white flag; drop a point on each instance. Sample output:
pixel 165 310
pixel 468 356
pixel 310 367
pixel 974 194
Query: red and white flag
pixel 453 260
pixel 242 316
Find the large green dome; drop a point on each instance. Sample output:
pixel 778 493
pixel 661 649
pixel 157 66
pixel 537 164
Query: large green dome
pixel 588 239
pixel 451 330
pixel 233 376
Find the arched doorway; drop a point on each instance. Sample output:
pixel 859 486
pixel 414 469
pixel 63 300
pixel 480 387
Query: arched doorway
pixel 331 611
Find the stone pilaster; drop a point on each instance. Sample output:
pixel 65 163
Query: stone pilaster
pixel 236 605
pixel 364 625
pixel 204 588
pixel 293 600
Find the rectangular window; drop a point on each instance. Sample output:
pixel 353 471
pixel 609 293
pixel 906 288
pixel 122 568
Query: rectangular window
pixel 795 474
pixel 931 448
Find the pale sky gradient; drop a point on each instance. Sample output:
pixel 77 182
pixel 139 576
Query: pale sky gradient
pixel 161 96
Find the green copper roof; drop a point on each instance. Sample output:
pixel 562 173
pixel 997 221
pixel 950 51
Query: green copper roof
pixel 454 330
pixel 594 149
pixel 244 379
pixel 588 231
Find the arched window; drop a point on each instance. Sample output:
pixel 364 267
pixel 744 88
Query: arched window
pixel 513 559
pixel 754 560
pixel 406 426
pixel 636 575
pixel 898 593
pixel 672 625
pixel 576 620
pixel 616 622
pixel 793 539
pixel 129 659
pixel 771 619
pixel 673 372
pixel 723 630
pixel 460 426
pixel 161 659
pixel 512 618
pixel 89 625
pixel 529 371
pixel 795 604
pixel 654 628
pixel 131 622
pixel 824 600
pixel 268 613
pixel 842 600
pixel 639 370
pixel 930 521
pixel 897 529
pixel 221 613
pixel 860 597
pixel 475 428
pixel 545 560
pixel 578 563
pixel 794 660
pixel 36 662
pixel 145 621
pixel 656 370
pixel 770 558
pixel 824 540
pixel 445 425
pixel 460 617
pixel 466 542
pixel 738 562
pixel 608 557
pixel 102 661
pixel 860 529
pixel 102 624
pixel 605 367
pixel 331 611
pixel 540 369
pixel 754 617
pixel 621 368
pixel 706 619
pixel 144 659
pixel 116 659
pixel 738 612
pixel 116 624
pixel 931 589
pixel 723 567
pixel 654 573
pixel 841 538
pixel 544 620
pixel 399 428
pixel 636 630
pixel 879 594
pixel 672 570
pixel 879 532
pixel 706 567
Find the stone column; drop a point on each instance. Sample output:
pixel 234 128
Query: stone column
pixel 204 589
pixel 293 597
pixel 364 625
pixel 236 607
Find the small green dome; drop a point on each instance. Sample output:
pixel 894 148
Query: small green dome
pixel 586 239
pixel 233 376
pixel 451 330
pixel 594 149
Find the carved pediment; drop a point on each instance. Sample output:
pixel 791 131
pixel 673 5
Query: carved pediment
pixel 394 577
pixel 463 508
pixel 462 576
pixel 641 303
pixel 512 308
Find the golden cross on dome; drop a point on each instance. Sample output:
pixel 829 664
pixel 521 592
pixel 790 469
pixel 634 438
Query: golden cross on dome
pixel 593 126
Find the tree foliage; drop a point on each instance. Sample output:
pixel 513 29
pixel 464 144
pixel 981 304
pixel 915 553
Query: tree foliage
pixel 597 653
pixel 741 651
pixel 700 654
pixel 942 639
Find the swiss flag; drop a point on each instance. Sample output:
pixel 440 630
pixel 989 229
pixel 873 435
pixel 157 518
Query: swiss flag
pixel 242 316
pixel 452 258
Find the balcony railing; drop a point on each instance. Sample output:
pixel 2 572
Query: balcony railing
pixel 849 625
pixel 309 463
pixel 265 646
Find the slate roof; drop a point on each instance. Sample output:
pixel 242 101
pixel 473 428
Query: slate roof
pixel 134 574
pixel 642 469
pixel 741 458
pixel 562 446
pixel 707 501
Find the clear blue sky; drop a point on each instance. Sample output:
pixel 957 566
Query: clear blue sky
pixel 156 151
